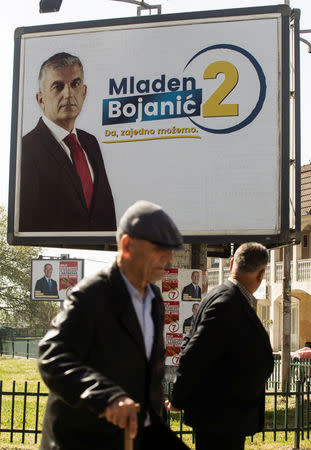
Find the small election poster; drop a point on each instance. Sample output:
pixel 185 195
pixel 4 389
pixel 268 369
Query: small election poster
pixel 53 279
pixel 182 290
pixel 173 344
pixel 68 275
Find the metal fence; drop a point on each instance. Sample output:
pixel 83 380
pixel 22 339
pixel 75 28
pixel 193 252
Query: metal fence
pixel 23 348
pixel 300 370
pixel 12 333
pixel 291 413
pixel 21 413
pixel 287 411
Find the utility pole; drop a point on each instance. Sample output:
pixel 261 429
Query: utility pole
pixel 286 310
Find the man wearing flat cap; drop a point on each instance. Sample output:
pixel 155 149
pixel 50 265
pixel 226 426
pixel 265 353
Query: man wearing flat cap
pixel 105 352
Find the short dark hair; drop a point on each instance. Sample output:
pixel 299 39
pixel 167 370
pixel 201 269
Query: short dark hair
pixel 193 272
pixel 59 60
pixel 250 257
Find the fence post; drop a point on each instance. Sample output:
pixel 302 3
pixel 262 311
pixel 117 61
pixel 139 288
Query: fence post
pixel 27 349
pixel 297 416
pixel 13 353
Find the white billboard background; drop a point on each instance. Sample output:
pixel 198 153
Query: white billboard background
pixel 66 273
pixel 210 183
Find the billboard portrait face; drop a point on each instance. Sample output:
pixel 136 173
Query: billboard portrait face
pixel 62 94
pixel 48 270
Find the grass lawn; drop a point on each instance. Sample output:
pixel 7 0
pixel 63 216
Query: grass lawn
pixel 21 370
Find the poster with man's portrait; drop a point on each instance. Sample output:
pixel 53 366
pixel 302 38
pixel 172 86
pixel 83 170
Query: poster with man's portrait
pixel 53 279
pixel 111 112
pixel 181 305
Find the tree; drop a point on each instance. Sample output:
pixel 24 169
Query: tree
pixel 16 307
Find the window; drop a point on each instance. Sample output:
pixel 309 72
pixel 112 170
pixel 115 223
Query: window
pixel 214 262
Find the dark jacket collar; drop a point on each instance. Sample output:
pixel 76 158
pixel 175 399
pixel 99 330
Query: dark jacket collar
pixel 124 308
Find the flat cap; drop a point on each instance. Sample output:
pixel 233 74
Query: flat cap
pixel 148 221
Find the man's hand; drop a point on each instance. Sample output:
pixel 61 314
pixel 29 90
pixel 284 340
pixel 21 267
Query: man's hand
pixel 122 411
pixel 170 407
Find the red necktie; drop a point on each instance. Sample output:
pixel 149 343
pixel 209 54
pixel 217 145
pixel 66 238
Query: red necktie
pixel 81 165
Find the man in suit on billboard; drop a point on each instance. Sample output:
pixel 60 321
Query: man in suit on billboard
pixel 192 291
pixel 46 286
pixel 64 186
pixel 227 346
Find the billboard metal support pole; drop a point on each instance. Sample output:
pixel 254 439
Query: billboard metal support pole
pixel 142 6
pixel 286 329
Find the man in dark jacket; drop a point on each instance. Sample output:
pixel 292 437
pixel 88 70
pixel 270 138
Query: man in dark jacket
pixel 104 351
pixel 226 359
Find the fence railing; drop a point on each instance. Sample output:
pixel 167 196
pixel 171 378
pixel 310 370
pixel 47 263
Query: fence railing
pixel 302 272
pixel 23 348
pixel 288 411
pixel 291 416
pixel 300 371
pixel 21 413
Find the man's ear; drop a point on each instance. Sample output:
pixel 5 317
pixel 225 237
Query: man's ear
pixel 84 91
pixel 125 243
pixel 39 98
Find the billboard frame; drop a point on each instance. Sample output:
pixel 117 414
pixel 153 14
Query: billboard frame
pixel 49 260
pixel 285 235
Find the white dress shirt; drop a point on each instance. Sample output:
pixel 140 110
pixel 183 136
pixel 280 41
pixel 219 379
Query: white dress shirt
pixel 143 307
pixel 59 134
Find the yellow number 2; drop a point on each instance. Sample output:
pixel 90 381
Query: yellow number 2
pixel 213 107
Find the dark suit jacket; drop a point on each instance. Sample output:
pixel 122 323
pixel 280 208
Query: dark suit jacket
pixel 93 353
pixel 43 288
pixel 189 291
pixel 225 361
pixel 51 195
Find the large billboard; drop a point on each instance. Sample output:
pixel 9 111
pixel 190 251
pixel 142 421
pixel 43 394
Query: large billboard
pixel 53 279
pixel 190 111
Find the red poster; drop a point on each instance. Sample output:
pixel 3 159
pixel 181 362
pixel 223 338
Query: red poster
pixel 170 280
pixel 171 312
pixel 68 274
pixel 173 343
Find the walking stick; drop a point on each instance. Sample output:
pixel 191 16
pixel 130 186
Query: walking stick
pixel 128 442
